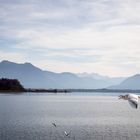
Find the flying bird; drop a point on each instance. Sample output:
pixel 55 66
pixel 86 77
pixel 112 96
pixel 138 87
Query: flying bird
pixel 66 133
pixel 54 124
pixel 132 99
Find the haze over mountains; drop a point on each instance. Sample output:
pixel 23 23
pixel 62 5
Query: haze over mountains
pixel 31 76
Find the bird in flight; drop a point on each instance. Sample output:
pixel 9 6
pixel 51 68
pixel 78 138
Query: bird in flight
pixel 66 133
pixel 132 99
pixel 54 124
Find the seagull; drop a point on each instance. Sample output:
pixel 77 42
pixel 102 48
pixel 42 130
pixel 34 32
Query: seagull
pixel 132 99
pixel 54 124
pixel 66 133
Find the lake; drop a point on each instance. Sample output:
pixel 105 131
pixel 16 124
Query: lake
pixel 85 116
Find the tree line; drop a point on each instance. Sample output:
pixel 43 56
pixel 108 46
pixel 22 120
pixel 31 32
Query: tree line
pixel 10 85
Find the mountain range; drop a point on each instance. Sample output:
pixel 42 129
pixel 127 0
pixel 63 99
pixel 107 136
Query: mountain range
pixel 31 76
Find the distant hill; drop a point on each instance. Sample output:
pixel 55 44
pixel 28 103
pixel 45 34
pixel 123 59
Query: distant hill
pixel 132 82
pixel 31 76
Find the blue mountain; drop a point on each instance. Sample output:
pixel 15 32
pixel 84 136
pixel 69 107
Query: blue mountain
pixel 132 82
pixel 31 76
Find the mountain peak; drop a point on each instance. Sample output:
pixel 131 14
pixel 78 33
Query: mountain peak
pixel 28 64
pixel 5 61
pixel 132 82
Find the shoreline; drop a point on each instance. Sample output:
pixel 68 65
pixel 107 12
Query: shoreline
pixel 71 90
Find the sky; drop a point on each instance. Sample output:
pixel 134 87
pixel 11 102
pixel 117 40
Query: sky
pixel 94 36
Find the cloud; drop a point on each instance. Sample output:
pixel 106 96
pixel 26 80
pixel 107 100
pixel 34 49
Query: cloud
pixel 12 56
pixel 96 36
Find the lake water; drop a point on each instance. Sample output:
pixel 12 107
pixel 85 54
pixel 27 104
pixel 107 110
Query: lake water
pixel 87 116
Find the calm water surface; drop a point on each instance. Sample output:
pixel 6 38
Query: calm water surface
pixel 86 116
